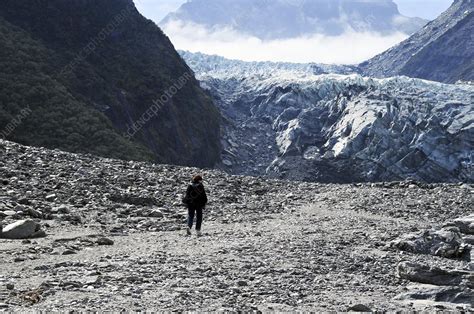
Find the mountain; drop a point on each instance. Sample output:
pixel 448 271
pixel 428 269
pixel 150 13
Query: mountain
pixel 290 121
pixel 278 19
pixel 442 51
pixel 95 76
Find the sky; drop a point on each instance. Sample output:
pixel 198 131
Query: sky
pixel 428 9
pixel 348 48
pixel 156 10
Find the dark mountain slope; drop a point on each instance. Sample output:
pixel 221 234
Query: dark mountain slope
pixel 57 119
pixel 113 64
pixel 442 51
pixel 437 62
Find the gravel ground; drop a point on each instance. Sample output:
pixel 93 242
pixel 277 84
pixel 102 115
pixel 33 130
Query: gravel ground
pixel 267 244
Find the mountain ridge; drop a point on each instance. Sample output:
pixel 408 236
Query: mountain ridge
pixel 113 64
pixel 269 20
pixel 441 51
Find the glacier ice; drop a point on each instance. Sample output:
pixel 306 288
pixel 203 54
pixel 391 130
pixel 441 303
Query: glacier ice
pixel 297 121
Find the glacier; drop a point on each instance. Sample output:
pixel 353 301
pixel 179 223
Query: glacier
pixel 328 123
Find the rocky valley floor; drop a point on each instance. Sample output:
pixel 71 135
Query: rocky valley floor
pixel 115 239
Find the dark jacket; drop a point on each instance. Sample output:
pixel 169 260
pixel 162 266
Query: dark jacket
pixel 195 196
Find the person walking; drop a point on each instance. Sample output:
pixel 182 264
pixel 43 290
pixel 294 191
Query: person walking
pixel 195 200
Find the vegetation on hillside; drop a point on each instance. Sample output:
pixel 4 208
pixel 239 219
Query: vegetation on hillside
pixel 88 70
pixel 57 119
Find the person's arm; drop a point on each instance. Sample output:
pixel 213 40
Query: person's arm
pixel 205 196
pixel 187 197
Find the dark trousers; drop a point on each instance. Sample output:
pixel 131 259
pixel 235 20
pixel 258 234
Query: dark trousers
pixel 191 212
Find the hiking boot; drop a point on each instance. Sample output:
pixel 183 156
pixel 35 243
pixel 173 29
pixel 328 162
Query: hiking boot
pixel 199 233
pixel 188 231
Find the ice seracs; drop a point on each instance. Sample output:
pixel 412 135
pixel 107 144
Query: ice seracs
pixel 291 121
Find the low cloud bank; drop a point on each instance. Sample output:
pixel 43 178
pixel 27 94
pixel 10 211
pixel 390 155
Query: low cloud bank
pixel 349 48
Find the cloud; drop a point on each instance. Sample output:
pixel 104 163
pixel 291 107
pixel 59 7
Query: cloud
pixel 350 48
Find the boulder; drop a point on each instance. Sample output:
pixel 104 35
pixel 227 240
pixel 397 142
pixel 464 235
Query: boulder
pixel 359 308
pixel 24 201
pixel 34 213
pixel 69 252
pixel 9 213
pixel 50 197
pixel 104 241
pixel 22 229
pixel 465 224
pixel 156 213
pixel 62 209
pixel 469 239
pixel 446 242
pixel 471 261
pixel 242 283
pixel 455 295
pixel 133 200
pixel 434 276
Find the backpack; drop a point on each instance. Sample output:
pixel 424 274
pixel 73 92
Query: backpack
pixel 195 196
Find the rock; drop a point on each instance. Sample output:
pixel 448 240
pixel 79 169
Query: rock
pixel 104 241
pixel 24 201
pixel 92 281
pixel 242 283
pixel 69 252
pixel 50 197
pixel 156 213
pixel 455 295
pixel 23 229
pixel 42 267
pixel 133 199
pixel 34 213
pixel 9 213
pixel 62 209
pixel 359 308
pixel 73 218
pixel 469 239
pixel 10 286
pixel 3 306
pixel 465 224
pixel 434 276
pixel 471 261
pixel 446 242
pixel 227 162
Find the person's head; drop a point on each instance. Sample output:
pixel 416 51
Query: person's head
pixel 197 178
